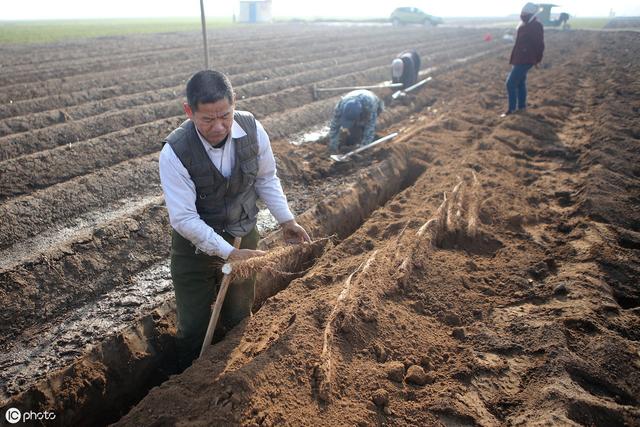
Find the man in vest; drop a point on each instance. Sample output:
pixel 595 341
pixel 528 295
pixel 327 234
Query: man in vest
pixel 212 170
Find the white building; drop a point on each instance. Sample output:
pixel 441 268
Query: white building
pixel 255 11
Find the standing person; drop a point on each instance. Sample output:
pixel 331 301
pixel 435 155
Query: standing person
pixel 212 170
pixel 526 53
pixel 356 113
pixel 405 68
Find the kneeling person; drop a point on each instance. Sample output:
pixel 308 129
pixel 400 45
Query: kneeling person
pixel 356 115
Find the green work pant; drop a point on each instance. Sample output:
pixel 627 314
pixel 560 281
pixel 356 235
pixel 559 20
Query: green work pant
pixel 196 281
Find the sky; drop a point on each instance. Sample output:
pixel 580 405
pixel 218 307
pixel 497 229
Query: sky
pixel 72 9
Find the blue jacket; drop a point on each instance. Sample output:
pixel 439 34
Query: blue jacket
pixel 371 107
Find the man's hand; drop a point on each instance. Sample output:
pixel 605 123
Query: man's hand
pixel 294 233
pixel 244 254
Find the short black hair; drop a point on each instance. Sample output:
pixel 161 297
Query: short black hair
pixel 208 86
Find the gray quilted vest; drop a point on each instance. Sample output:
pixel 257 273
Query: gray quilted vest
pixel 225 204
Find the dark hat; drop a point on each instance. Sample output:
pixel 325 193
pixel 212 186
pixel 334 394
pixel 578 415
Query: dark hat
pixel 350 113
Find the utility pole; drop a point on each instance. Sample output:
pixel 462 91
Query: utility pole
pixel 204 35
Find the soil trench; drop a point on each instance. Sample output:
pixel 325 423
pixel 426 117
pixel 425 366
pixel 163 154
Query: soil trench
pixel 129 363
pixel 483 270
pixel 502 305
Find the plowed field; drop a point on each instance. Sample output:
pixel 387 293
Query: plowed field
pixel 482 270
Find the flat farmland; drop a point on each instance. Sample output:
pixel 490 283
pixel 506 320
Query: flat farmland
pixel 521 306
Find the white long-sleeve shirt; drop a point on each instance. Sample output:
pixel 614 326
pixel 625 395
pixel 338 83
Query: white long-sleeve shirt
pixel 180 191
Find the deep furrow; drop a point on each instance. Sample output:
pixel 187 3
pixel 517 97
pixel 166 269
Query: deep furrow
pixel 108 84
pixel 28 173
pixel 118 215
pixel 112 47
pixel 223 56
pixel 86 52
pixel 23 140
pixel 29 215
pixel 127 61
pixel 105 85
pixel 163 87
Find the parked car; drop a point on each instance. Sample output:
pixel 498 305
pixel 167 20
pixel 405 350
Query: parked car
pixel 413 15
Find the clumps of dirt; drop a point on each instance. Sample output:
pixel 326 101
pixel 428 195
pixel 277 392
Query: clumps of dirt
pixel 395 371
pixel 488 306
pixel 416 375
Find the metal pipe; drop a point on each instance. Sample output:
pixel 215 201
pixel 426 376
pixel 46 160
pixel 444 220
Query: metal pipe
pixel 417 85
pixel 403 92
pixel 343 157
pixel 329 89
pixel 204 35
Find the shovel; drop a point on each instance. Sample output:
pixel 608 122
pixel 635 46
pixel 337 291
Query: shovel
pixel 317 90
pixel 345 157
pixel 217 307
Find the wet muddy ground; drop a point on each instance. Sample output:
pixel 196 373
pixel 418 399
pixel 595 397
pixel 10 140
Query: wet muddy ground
pixel 521 308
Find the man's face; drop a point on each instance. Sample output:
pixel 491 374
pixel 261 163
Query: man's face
pixel 213 119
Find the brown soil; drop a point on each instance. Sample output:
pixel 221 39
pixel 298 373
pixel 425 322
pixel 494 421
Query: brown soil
pixel 533 320
pixel 514 302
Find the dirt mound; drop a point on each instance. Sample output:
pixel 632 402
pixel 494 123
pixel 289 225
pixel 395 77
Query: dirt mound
pixel 510 300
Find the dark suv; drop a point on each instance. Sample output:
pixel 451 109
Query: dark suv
pixel 413 15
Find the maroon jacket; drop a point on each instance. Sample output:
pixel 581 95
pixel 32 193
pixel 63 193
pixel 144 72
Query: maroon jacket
pixel 529 44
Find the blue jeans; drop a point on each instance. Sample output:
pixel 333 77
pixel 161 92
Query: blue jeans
pixel 517 86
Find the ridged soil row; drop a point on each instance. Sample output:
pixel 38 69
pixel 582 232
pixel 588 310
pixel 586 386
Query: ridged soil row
pixel 84 66
pixel 102 74
pixel 108 75
pixel 50 55
pixel 74 131
pixel 114 357
pixel 78 271
pixel 160 84
pixel 92 87
pixel 172 86
pixel 55 55
pixel 67 276
pixel 30 215
pixel 39 170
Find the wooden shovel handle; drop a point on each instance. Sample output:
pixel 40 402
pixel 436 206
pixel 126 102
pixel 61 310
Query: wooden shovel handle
pixel 217 307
